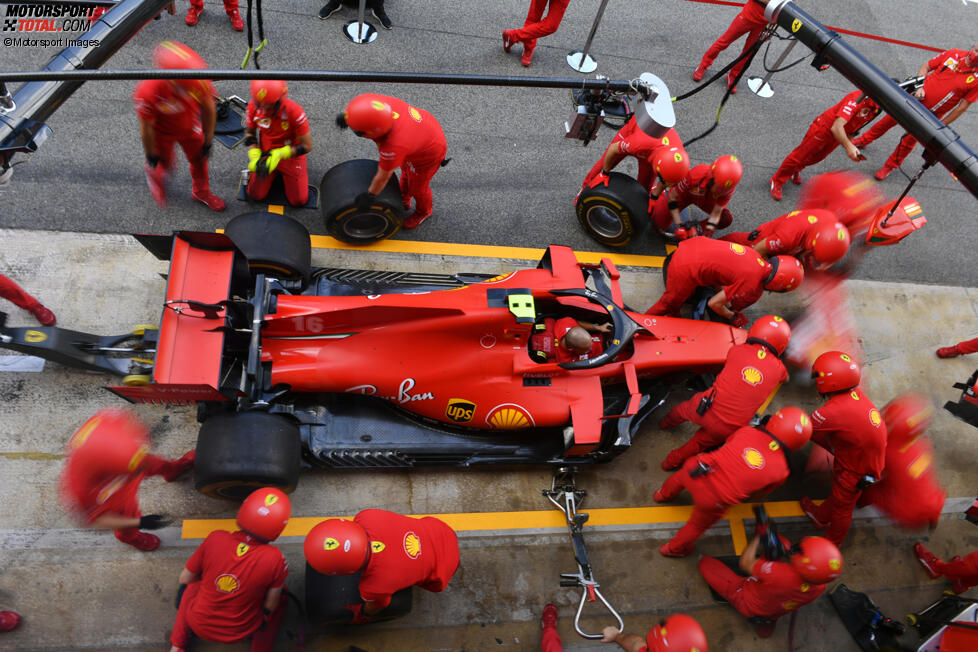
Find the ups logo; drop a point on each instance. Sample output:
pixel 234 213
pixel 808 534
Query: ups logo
pixel 460 410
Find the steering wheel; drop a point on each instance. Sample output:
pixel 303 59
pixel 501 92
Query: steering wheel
pixel 624 328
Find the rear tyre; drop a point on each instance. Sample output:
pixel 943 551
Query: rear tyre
pixel 614 215
pixel 238 452
pixel 274 244
pixel 338 190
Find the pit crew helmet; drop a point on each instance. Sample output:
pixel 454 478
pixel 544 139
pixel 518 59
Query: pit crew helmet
pixel 792 426
pixel 671 163
pixel 677 633
pixel 827 242
pixel 369 115
pixel 786 274
pixel 337 547
pixel 907 417
pixel 267 94
pixel 817 560
pixel 174 55
pixel 727 172
pixel 835 371
pixel 264 513
pixel 112 442
pixel 771 331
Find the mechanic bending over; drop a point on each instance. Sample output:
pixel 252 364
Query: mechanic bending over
pixel 231 587
pixel 710 188
pixel 677 633
pixel 740 272
pixel 815 236
pixel 278 139
pixel 567 339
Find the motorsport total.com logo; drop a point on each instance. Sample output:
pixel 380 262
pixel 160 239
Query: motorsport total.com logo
pixel 37 17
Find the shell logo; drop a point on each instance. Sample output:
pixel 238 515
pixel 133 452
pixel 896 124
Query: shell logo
pixel 412 545
pixel 227 583
pixel 377 105
pixel 377 546
pixel 137 459
pixel 509 416
pixel 753 458
pixel 918 466
pixel 330 544
pixel 812 219
pixel 752 376
pixel 875 418
pixel 835 564
pixel 79 439
pixel 761 354
pixel 737 249
pixel 242 549
pixel 415 114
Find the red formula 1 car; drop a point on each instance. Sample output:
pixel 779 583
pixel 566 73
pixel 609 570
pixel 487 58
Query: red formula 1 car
pixel 378 369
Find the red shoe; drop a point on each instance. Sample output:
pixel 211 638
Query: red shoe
pixel 415 221
pixel 796 178
pixel 948 352
pixel 765 628
pixel 699 72
pixel 549 617
pixel 811 509
pixel 508 40
pixel 193 15
pixel 928 560
pixel 883 172
pixel 776 191
pixel 145 541
pixel 667 550
pixel 178 467
pixel 210 200
pixel 43 315
pixel 9 620
pixel 156 180
pixel 236 23
pixel 527 57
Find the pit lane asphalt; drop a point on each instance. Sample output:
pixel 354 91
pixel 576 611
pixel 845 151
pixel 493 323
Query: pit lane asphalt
pixel 513 176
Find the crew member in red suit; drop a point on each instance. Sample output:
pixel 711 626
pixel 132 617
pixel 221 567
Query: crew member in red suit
pixel 393 552
pixel 567 339
pixel 740 271
pixel 749 21
pixel 708 187
pixel 909 493
pixel 950 86
pixel 752 460
pixel 535 26
pixel 953 351
pixel 180 111
pixel 850 427
pixel 751 376
pixel 662 162
pixel 231 587
pixel 963 573
pixel 107 459
pixel 15 294
pixel 814 236
pixel 408 138
pixel 277 128
pixel 230 7
pixel 827 131
pixel 677 633
pixel 854 198
pixel 774 587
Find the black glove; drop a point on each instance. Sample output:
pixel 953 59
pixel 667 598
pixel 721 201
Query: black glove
pixel 153 160
pixel 154 521
pixel 176 602
pixel 341 121
pixel 364 201
pixel 205 151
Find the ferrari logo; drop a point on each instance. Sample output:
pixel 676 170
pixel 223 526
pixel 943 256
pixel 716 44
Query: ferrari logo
pixel 854 394
pixel 753 458
pixel 242 549
pixel 795 25
pixel 677 157
pixel 737 249
pixel 875 418
pixel 227 583
pixel 665 141
pixel 812 219
pixel 969 79
pixel 791 605
pixel 261 94
pixel 415 114
pixel 330 544
pixel 412 545
pixel 845 358
pixel 840 235
pixel 377 546
pixel 805 587
pixel 270 500
pixel 752 376
pixel 285 125
pixel 34 336
pixel 377 105
pixel 460 410
pixel 773 445
pixel 761 354
pixel 835 564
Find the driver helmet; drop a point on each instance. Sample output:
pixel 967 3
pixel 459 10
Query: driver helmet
pixel 907 417
pixel 791 425
pixel 817 560
pixel 369 115
pixel 677 633
pixel 772 331
pixel 835 371
pixel 671 164
pixel 786 274
pixel 337 546
pixel 726 172
pixel 264 513
pixel 827 242
pixel 174 55
pixel 267 95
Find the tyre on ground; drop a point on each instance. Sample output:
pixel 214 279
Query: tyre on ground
pixel 337 191
pixel 614 215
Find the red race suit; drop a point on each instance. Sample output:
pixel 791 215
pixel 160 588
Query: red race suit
pixel 750 375
pixel 819 142
pixel 909 494
pixel 226 604
pixel 536 26
pixel 405 552
pixel 702 261
pixel 12 292
pixel 851 428
pixel 750 461
pixel 632 141
pixel 284 128
pixel 416 144
pixel 749 21
pixel 174 116
pixel 784 235
pixel 963 572
pixel 694 189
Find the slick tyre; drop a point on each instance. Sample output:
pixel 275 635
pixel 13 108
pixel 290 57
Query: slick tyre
pixel 614 215
pixel 275 245
pixel 338 190
pixel 237 452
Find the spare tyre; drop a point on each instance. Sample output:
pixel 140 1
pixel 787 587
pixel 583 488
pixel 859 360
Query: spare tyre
pixel 337 192
pixel 615 214
pixel 274 244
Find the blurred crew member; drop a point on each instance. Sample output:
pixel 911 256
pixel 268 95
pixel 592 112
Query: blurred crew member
pixel 230 7
pixel 231 587
pixel 963 573
pixel 535 26
pixel 107 459
pixel 180 111
pixel 278 139
pixel 749 21
pixel 708 187
pixel 814 236
pixel 15 294
pixel 677 633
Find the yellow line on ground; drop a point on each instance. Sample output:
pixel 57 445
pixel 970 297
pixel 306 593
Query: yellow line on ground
pixel 278 209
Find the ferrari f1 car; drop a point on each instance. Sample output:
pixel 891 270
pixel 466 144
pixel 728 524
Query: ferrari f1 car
pixel 355 368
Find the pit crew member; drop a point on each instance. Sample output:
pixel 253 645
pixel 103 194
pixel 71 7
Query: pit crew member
pixel 180 111
pixel 751 376
pixel 775 585
pixel 963 573
pixel 827 131
pixel 107 459
pixel 231 587
pixel 752 460
pixel 15 294
pixel 278 139
pixel 740 272
pixel 909 493
pixel 708 187
pixel 230 8
pixel 535 26
pixel 677 633
pixel 408 138
pixel 953 351
pixel 850 427
pixel 950 87
pixel 814 236
pixel 567 339
pixel 749 21
pixel 393 552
